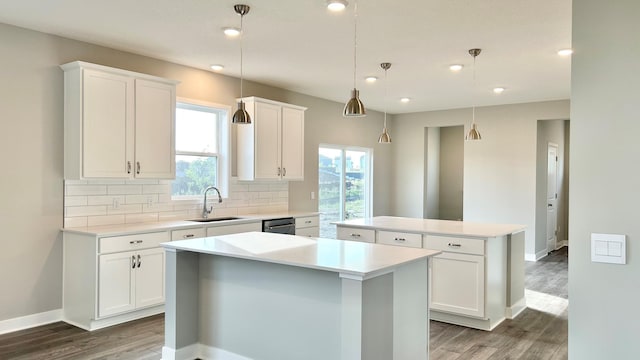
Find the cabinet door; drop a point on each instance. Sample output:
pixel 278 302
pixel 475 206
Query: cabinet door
pixel 308 231
pixel 107 118
pixel 149 274
pixel 116 283
pixel 233 229
pixel 457 284
pixel 292 144
pixel 154 130
pixel 267 138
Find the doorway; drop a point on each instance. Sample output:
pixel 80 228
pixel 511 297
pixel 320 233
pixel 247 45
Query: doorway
pixel 344 185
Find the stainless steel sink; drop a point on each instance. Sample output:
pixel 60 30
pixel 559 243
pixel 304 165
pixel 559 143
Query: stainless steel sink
pixel 214 219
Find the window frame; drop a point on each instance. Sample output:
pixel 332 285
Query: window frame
pixel 223 155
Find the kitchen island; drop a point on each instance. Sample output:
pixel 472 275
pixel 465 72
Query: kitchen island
pixel 272 296
pixel 477 280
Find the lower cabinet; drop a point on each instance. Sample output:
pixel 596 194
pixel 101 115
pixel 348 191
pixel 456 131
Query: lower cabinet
pixel 355 234
pixel 457 284
pixel 234 229
pixel 113 279
pixel 308 226
pixel 130 280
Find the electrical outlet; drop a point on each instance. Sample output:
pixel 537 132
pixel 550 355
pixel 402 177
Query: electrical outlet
pixel 149 201
pixel 313 195
pixel 116 202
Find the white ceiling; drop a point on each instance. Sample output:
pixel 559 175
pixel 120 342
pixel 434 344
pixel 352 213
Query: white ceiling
pixel 301 46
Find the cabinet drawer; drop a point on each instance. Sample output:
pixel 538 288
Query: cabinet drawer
pixel 307 221
pixel 455 244
pixel 308 231
pixel 356 234
pixel 188 234
pixel 399 238
pixel 233 229
pixel 131 242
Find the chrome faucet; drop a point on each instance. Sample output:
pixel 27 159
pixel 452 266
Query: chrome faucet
pixel 205 211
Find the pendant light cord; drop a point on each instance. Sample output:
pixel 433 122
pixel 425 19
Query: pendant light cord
pixel 355 41
pixel 473 96
pixel 385 98
pixel 241 38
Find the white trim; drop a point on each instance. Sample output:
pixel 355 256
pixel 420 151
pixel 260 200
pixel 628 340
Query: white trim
pixel 29 321
pixel 562 244
pixel 514 310
pixel 539 255
pixel 199 351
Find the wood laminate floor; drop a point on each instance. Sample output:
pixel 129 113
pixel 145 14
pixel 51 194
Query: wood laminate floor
pixel 540 332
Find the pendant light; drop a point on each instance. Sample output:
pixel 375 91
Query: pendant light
pixel 473 133
pixel 385 138
pixel 354 107
pixel 241 116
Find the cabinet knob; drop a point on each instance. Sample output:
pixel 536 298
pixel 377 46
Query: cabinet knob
pixel 279 171
pixel 128 167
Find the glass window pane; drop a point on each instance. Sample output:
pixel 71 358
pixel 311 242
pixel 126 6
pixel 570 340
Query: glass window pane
pixel 355 185
pixel 196 130
pixel 329 190
pixel 194 174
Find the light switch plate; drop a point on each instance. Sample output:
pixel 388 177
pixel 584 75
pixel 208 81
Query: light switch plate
pixel 608 248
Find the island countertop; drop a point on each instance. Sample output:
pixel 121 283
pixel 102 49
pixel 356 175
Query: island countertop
pixel 345 257
pixel 432 226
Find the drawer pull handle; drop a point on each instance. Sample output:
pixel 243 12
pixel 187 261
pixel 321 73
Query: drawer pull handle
pixel 355 235
pixel 188 236
pixel 139 261
pixel 454 245
pixel 139 241
pixel 307 222
pixel 133 261
pixel 138 167
pixel 128 167
pixel 132 242
pixel 400 239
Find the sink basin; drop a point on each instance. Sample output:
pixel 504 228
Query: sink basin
pixel 214 219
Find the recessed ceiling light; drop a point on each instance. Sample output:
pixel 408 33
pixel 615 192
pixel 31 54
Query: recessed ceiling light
pixel 371 79
pixel 565 52
pixel 498 90
pixel 336 5
pixel 217 67
pixel 456 67
pixel 231 31
pixel 405 100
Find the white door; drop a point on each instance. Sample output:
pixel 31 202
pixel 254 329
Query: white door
pixel 116 283
pixel 552 196
pixel 292 143
pixel 154 129
pixel 149 274
pixel 268 132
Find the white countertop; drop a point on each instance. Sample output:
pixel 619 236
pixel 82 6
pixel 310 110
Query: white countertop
pixel 345 257
pixel 430 226
pixel 126 229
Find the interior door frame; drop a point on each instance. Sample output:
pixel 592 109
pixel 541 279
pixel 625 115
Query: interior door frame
pixel 554 202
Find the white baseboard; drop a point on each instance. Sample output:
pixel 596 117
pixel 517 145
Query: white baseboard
pixel 199 351
pixel 514 310
pixel 29 321
pixel 562 244
pixel 535 257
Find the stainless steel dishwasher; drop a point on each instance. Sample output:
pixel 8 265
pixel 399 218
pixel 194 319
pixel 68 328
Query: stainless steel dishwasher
pixel 280 226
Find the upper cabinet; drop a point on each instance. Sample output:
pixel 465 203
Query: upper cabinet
pixel 117 124
pixel 272 146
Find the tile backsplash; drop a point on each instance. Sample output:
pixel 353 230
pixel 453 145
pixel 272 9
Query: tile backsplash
pixel 111 202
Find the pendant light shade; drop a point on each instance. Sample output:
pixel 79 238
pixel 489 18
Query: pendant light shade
pixel 385 138
pixel 354 107
pixel 473 133
pixel 241 116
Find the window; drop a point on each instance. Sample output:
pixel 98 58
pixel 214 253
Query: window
pixel 202 148
pixel 344 185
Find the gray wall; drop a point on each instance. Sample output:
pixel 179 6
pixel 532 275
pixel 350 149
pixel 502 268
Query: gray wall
pixel 432 173
pixel 604 315
pixel 31 143
pixel 551 131
pixel 451 172
pixel 499 171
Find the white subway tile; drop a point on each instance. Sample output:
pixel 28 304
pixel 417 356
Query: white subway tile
pixel 72 222
pixel 136 199
pixel 157 207
pixel 248 210
pixel 265 195
pixel 74 182
pixel 104 200
pixel 279 187
pixel 125 209
pixel 174 215
pixel 124 189
pixel 139 218
pixel 155 189
pixel 75 200
pixel 142 181
pixel 106 220
pixel 75 190
pixel 106 182
pixel 257 187
pixel 238 187
pixel 283 194
pixel 226 212
pixel 72 211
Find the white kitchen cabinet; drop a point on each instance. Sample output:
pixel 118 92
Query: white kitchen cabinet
pixel 308 226
pixel 355 234
pixel 113 279
pixel 118 124
pixel 272 146
pixel 184 234
pixel 457 284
